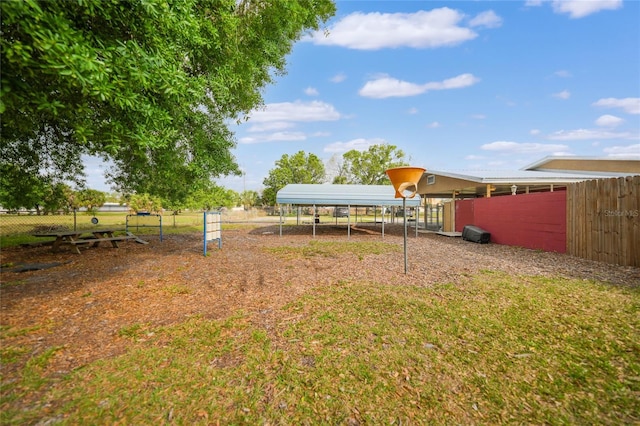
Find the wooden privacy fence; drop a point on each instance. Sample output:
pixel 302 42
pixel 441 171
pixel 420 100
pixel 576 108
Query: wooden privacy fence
pixel 603 220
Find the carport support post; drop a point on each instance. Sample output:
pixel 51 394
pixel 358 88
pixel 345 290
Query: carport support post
pixel 314 221
pixel 453 212
pixel 349 221
pixel 281 220
pixel 382 210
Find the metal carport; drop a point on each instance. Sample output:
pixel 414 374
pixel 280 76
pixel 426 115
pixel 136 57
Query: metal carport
pixel 341 195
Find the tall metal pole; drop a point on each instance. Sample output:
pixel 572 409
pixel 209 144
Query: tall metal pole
pixel 405 182
pixel 404 215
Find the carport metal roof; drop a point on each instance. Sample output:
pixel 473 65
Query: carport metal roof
pixel 341 195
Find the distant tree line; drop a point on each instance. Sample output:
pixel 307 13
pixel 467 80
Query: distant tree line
pixel 62 198
pixel 355 167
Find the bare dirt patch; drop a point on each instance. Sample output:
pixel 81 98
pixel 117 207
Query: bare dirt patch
pixel 85 305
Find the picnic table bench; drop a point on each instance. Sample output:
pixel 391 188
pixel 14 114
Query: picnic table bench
pixel 93 237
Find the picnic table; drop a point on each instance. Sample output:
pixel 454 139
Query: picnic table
pixel 93 237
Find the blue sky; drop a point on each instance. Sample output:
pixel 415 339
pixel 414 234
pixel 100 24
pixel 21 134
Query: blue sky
pixel 456 85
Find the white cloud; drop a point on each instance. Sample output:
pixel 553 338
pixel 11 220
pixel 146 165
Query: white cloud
pixel 578 8
pixel 487 19
pixel 295 111
pixel 274 137
pixel 386 87
pixel 609 121
pixel 623 151
pixel 422 29
pixel 628 105
pixel 270 127
pixel 565 94
pixel 311 91
pixel 563 73
pixel 433 125
pixel 463 80
pixel 534 132
pixel 585 134
pixel 523 148
pixel 338 78
pixel 412 111
pixel 478 116
pixel 359 144
pixel 581 8
pixel 270 123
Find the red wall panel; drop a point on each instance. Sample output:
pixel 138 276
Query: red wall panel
pixel 535 221
pixel 464 213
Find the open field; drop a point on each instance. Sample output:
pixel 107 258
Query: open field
pixel 296 330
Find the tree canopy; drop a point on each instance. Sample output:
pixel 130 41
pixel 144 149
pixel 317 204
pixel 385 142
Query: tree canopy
pixel 368 167
pixel 92 199
pixel 212 197
pixel 297 168
pixel 149 85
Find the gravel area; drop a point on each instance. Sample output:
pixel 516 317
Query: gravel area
pixel 436 258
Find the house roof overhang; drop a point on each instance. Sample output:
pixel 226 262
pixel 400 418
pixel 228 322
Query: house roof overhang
pixel 442 184
pixel 605 166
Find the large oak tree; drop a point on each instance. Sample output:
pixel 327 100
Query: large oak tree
pixel 368 167
pixel 149 85
pixel 297 168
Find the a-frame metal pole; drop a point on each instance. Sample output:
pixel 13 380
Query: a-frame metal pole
pixel 404 210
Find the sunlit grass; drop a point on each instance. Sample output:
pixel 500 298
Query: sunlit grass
pixel 493 349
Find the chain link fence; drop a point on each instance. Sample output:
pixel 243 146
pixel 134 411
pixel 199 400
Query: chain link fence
pixel 29 222
pixel 25 222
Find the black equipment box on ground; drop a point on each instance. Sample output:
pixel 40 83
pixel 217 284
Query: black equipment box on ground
pixel 475 234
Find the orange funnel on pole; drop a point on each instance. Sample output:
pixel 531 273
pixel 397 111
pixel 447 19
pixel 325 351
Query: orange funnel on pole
pixel 405 180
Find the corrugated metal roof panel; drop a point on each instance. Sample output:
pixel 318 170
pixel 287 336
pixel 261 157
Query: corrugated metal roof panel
pixel 341 195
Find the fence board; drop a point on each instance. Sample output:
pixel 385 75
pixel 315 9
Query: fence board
pixel 603 220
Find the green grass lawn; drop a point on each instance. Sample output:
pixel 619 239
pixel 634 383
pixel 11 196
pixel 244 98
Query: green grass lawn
pixel 493 349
